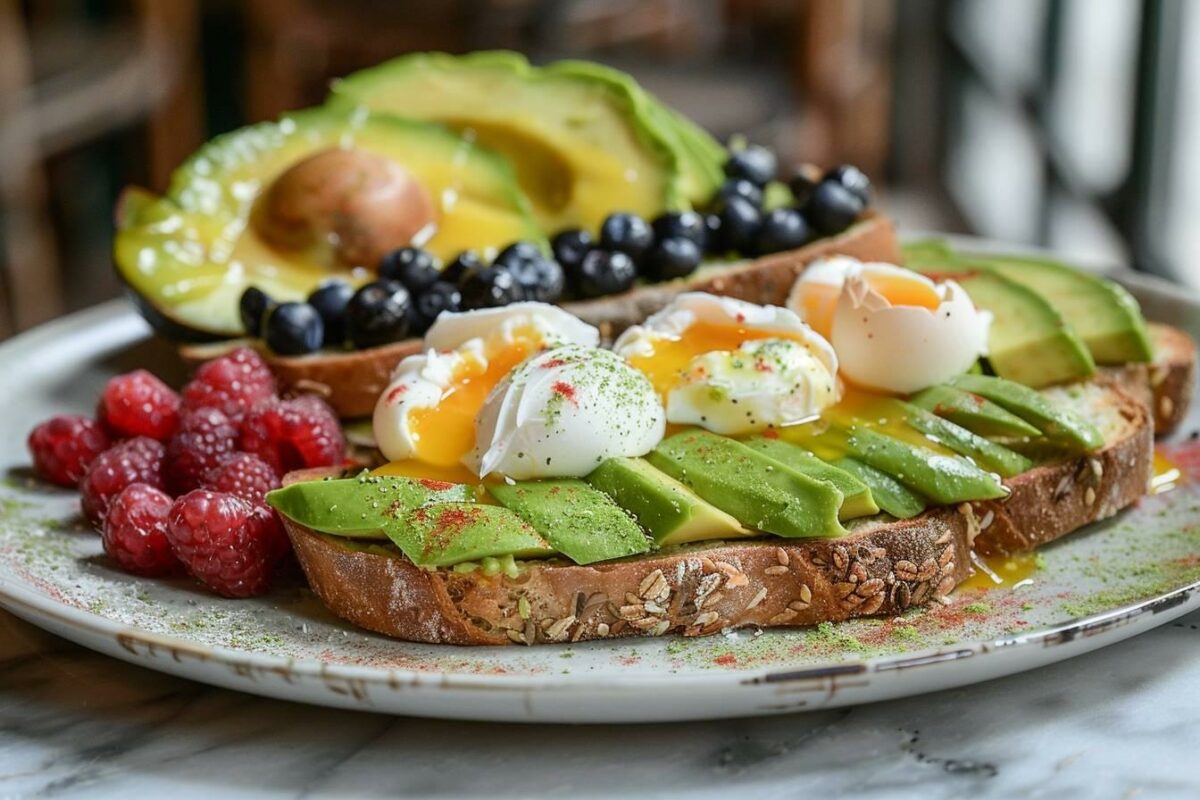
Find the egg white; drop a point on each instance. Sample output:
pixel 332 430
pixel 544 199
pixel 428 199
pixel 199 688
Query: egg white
pixel 905 349
pixel 420 381
pixel 763 383
pixel 452 329
pixel 562 412
pixel 716 393
pixel 691 308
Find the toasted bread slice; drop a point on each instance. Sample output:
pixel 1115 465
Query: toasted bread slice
pixel 353 381
pixel 1165 385
pixel 882 567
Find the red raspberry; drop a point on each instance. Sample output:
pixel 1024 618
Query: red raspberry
pixel 137 460
pixel 294 434
pixel 233 383
pixel 135 532
pixel 243 475
pixel 139 404
pixel 205 436
pixel 64 447
pixel 230 545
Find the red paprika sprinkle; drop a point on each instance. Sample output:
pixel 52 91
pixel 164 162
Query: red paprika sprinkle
pixel 565 390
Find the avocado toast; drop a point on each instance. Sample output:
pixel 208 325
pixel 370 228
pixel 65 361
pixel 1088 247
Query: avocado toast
pixel 881 566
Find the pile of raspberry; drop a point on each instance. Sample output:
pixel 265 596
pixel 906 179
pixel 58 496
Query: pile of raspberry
pixel 176 482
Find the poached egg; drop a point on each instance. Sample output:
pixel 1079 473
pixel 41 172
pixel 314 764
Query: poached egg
pixel 893 330
pixel 562 412
pixel 427 413
pixel 730 366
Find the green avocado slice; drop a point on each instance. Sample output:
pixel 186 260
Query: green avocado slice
pixel 945 480
pixel 361 507
pixel 756 490
pixel 1029 339
pixel 984 452
pixel 857 500
pixel 443 534
pixel 669 511
pixel 892 496
pixel 973 412
pixel 1060 425
pixel 1106 317
pixel 582 523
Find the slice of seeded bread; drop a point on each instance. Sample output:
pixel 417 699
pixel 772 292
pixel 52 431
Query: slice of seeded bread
pixel 352 381
pixel 882 567
pixel 1165 385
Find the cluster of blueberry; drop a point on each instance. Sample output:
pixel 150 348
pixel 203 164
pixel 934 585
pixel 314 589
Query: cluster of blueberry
pixel 822 204
pixel 412 290
pixel 409 293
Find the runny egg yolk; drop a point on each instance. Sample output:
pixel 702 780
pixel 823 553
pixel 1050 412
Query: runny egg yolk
pixel 670 357
pixel 410 468
pixel 444 433
pixel 819 300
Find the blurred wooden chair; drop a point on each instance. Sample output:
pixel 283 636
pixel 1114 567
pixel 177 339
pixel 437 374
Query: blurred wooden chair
pixel 146 67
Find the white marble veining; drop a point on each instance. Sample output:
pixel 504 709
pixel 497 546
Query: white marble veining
pixel 1121 722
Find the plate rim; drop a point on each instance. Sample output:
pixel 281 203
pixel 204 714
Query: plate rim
pixel 15 593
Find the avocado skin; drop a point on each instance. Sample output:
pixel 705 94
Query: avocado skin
pixel 1029 340
pixel 1057 424
pixel 945 480
pixel 753 488
pixel 986 453
pixel 582 523
pixel 973 412
pixel 361 507
pixel 857 500
pixel 669 511
pixel 444 534
pixel 892 496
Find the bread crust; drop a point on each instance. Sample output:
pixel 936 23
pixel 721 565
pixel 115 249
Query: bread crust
pixel 1167 384
pixel 879 569
pixel 352 381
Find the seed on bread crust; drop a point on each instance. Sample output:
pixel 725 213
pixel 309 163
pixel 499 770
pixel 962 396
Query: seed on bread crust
pixel 787 615
pixel 559 628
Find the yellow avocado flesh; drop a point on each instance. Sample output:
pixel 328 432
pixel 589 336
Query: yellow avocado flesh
pixel 194 251
pixel 581 148
pixel 569 183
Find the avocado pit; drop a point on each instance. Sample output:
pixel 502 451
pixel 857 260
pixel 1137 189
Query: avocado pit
pixel 358 204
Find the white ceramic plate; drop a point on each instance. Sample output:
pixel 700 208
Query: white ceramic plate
pixel 53 573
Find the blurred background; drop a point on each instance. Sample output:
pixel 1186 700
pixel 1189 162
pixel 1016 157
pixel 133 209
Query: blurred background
pixel 1062 123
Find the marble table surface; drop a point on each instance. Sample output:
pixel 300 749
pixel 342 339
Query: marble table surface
pixel 1123 722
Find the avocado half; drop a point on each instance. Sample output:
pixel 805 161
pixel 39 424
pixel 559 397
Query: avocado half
pixel 585 140
pixel 188 255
